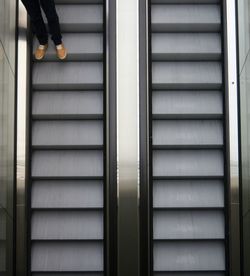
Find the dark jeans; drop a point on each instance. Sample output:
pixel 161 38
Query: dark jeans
pixel 34 10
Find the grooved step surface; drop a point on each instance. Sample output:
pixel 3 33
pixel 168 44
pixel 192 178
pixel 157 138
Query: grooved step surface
pixel 189 255
pixel 181 225
pixel 188 194
pixel 181 1
pixel 67 103
pixel 70 274
pixel 67 194
pixel 187 123
pixel 188 163
pixel 186 18
pixel 189 102
pixel 67 75
pixel 188 46
pixel 61 163
pixel 80 46
pixel 187 75
pixel 72 2
pixel 67 225
pixel 67 256
pixel 80 18
pixel 69 133
pixel 195 273
pixel 190 133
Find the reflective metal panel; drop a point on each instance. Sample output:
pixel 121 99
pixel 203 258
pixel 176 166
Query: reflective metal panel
pixel 128 137
pixel 243 35
pixel 7 134
pixel 232 132
pixel 22 76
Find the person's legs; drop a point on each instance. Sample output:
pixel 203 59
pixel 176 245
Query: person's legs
pixel 50 11
pixel 34 11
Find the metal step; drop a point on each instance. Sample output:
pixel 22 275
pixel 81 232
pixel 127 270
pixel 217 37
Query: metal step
pixel 188 103
pixel 188 194
pixel 186 18
pixel 188 225
pixel 72 2
pixel 67 133
pixel 186 75
pixel 67 225
pixel 189 255
pixel 90 273
pixel 69 194
pixel 188 163
pixel 62 256
pixel 67 163
pixel 80 18
pixel 176 2
pixel 186 46
pixel 184 273
pixel 67 75
pixel 200 133
pixel 71 104
pixel 80 47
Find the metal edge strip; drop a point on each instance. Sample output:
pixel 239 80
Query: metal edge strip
pixel 232 134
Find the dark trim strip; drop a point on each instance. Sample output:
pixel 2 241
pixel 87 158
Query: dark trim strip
pixel 151 118
pixel 14 193
pixel 145 192
pixel 225 136
pixel 111 142
pixel 29 150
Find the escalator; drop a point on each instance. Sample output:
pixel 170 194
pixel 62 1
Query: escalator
pixel 66 186
pixel 187 124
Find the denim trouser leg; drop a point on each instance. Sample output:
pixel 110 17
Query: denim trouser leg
pixel 34 10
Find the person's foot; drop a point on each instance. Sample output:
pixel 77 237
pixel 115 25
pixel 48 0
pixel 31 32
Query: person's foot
pixel 41 51
pixel 61 52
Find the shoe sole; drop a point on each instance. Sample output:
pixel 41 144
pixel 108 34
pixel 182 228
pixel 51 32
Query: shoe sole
pixel 42 56
pixel 62 58
pixel 39 58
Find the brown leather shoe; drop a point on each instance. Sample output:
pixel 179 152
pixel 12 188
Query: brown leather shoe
pixel 61 52
pixel 41 51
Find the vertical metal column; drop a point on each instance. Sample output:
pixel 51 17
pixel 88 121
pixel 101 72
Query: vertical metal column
pixel 233 135
pixel 21 159
pixel 128 137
